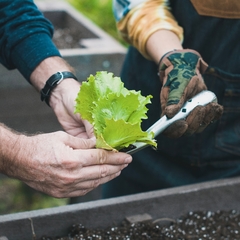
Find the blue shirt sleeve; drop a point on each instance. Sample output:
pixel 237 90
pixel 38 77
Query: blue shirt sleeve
pixel 26 36
pixel 122 7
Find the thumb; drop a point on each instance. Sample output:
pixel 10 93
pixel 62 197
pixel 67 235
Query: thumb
pixel 89 129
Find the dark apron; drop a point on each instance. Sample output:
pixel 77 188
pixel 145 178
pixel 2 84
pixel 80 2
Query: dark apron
pixel 213 154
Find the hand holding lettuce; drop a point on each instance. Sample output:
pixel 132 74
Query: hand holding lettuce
pixel 115 112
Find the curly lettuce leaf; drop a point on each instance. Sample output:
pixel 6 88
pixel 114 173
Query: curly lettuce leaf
pixel 115 112
pixel 124 133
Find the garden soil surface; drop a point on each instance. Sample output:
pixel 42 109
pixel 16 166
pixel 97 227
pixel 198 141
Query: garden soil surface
pixel 199 225
pixel 66 38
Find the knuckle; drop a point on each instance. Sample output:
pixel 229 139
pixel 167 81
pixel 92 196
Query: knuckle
pixel 103 171
pixel 58 193
pixel 60 134
pixel 95 183
pixel 66 181
pixel 102 157
pixel 69 181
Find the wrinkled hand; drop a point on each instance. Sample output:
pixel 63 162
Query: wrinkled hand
pixel 180 73
pixel 61 165
pixel 62 101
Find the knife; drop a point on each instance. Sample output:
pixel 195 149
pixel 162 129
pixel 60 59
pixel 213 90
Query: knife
pixel 201 99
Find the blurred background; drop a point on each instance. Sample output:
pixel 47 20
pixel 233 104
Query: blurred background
pixel 27 113
pixel 100 12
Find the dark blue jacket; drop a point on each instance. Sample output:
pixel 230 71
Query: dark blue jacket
pixel 25 36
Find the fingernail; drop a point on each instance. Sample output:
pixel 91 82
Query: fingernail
pixel 128 160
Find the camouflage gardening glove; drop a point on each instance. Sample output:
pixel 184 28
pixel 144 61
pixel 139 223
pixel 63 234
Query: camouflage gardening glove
pixel 180 73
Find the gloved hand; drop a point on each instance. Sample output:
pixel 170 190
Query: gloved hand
pixel 180 73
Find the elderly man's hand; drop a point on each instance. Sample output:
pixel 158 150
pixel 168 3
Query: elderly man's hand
pixel 59 164
pixel 62 97
pixel 62 101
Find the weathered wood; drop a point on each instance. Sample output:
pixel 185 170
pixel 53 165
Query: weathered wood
pixel 168 203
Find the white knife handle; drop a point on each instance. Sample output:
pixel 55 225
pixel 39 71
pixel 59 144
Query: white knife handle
pixel 201 99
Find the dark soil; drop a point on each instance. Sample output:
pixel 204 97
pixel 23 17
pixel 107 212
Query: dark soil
pixel 65 38
pixel 220 225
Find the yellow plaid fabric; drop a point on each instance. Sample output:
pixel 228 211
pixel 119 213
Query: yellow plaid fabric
pixel 145 19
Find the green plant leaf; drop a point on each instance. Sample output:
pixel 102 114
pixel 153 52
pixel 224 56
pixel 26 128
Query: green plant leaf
pixel 115 112
pixel 120 134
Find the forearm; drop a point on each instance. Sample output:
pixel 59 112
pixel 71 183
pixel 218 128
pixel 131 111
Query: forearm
pixel 146 19
pixel 9 150
pixel 161 42
pixel 46 69
pixel 17 153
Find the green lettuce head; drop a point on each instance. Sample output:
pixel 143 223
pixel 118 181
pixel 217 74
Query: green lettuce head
pixel 115 112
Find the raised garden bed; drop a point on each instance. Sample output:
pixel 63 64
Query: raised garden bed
pixel 207 200
pixel 83 44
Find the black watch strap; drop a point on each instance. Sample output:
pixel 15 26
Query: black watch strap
pixel 52 82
